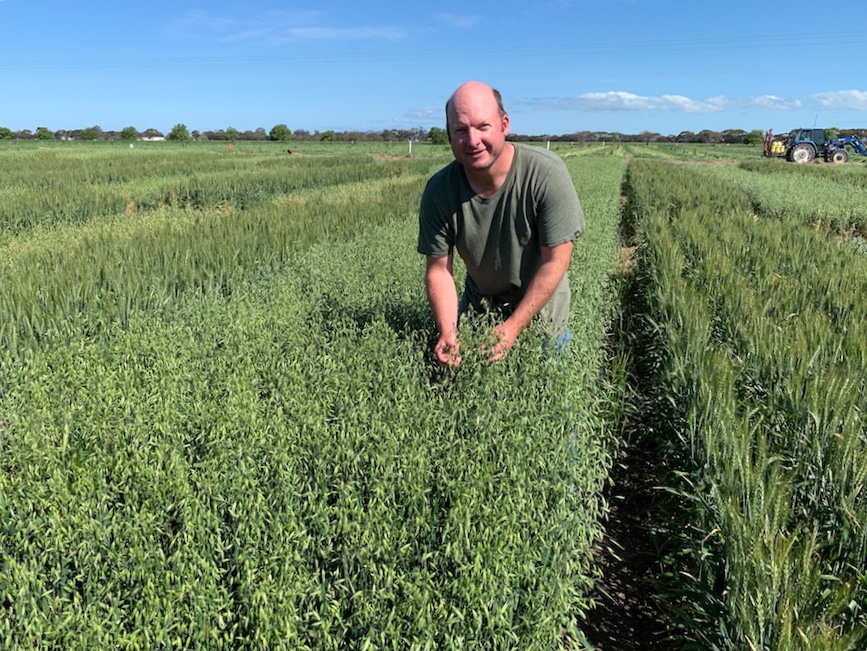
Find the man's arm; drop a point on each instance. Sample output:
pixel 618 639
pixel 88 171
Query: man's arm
pixel 443 299
pixel 555 262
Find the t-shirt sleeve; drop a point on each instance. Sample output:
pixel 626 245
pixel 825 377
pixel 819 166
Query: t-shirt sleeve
pixel 434 234
pixel 560 217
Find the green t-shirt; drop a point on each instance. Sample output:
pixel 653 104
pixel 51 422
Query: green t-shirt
pixel 499 237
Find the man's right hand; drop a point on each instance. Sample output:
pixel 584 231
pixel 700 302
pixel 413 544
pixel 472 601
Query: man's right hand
pixel 443 297
pixel 448 351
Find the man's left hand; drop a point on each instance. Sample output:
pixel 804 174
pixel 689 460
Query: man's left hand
pixel 503 338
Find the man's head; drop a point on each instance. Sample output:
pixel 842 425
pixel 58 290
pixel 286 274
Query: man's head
pixel 482 88
pixel 477 125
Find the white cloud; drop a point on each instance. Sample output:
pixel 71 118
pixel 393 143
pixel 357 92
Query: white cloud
pixel 423 114
pixel 841 99
pixel 458 21
pixel 687 105
pixel 625 101
pixel 292 34
pixel 766 102
pixel 278 27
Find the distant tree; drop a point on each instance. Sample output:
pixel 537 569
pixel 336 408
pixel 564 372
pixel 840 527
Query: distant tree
pixel 179 132
pixel 151 133
pixel 280 133
pixel 5 133
pixel 579 136
pixel 195 135
pixel 327 136
pixel 647 136
pixel 352 136
pixel 438 136
pixel 129 133
pixel 259 134
pixel 24 134
pixel 754 137
pixel 232 134
pixel 90 133
pixel 43 133
pixel 708 137
pixel 61 134
pixel 733 136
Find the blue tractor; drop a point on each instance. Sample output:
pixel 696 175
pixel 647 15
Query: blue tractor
pixel 805 145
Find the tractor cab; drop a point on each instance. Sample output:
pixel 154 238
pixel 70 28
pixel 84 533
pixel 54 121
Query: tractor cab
pixel 816 136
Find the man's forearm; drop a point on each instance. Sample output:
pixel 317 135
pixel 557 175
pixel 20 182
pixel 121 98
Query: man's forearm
pixel 442 296
pixel 542 286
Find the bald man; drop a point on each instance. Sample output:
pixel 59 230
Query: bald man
pixel 512 213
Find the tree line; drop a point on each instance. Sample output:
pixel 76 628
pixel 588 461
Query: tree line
pixel 180 132
pixel 435 135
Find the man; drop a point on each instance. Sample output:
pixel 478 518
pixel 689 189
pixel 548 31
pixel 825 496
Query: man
pixel 512 213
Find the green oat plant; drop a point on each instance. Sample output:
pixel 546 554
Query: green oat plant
pixel 73 186
pixel 283 476
pixel 281 466
pixel 105 270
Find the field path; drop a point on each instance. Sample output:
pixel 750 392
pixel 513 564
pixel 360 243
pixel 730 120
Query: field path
pixel 627 617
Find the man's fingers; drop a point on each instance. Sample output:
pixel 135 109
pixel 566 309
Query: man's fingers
pixel 448 355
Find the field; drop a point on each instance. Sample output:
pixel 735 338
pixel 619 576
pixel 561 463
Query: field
pixel 221 425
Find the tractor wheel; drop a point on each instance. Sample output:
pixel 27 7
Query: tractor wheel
pixel 838 156
pixel 802 153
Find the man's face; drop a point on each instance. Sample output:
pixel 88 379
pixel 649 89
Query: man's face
pixel 477 130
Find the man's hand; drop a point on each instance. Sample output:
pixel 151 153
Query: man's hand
pixel 503 338
pixel 448 351
pixel 443 298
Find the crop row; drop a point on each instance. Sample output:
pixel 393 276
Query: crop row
pixel 60 189
pixel 849 174
pixel 763 325
pixel 281 465
pixel 830 202
pixel 108 269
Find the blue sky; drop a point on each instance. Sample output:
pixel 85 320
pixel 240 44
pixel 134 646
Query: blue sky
pixel 562 65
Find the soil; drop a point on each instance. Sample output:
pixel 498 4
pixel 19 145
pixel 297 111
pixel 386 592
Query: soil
pixel 627 616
